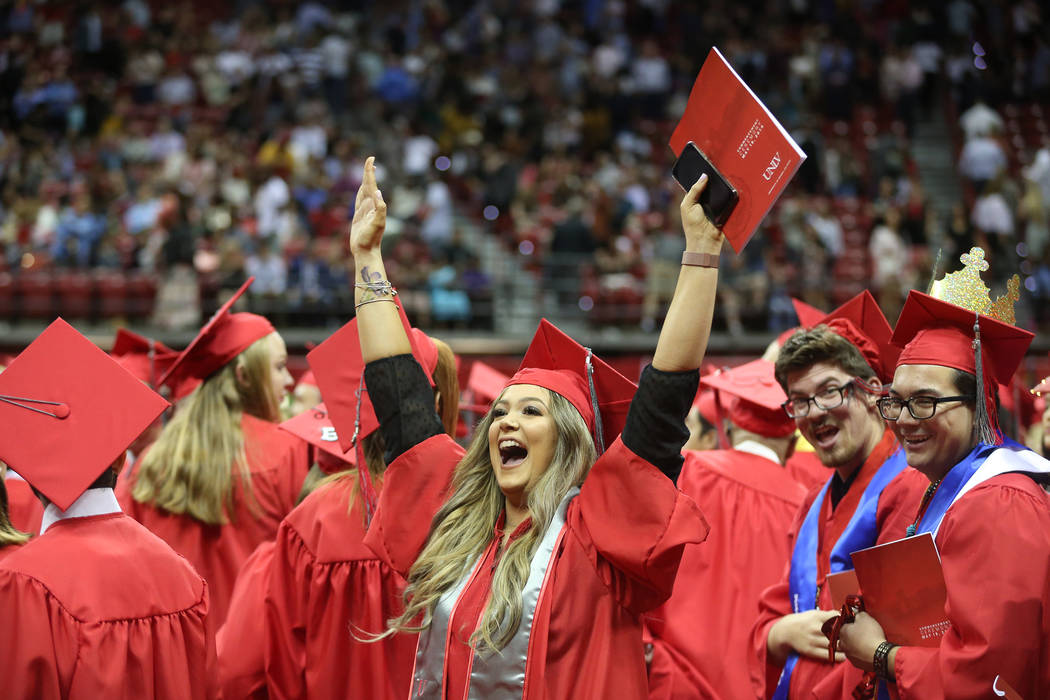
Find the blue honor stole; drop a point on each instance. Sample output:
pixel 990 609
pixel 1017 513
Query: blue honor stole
pixel 860 533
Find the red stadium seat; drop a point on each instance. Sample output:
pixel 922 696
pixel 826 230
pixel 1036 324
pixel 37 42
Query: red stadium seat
pixel 111 289
pixel 37 291
pixel 7 296
pixel 142 295
pixel 74 292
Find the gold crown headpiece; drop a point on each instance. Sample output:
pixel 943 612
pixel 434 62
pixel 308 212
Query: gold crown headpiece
pixel 965 288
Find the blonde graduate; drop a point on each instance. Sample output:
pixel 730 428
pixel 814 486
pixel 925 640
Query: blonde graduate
pixel 463 526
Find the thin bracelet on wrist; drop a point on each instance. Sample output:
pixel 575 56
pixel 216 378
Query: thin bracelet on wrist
pixel 699 259
pixel 372 301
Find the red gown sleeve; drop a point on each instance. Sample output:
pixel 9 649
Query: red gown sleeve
pixel 995 552
pixel 672 677
pixel 37 661
pixel 415 486
pixel 633 517
pixel 240 643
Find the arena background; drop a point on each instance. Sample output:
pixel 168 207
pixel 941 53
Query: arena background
pixel 153 154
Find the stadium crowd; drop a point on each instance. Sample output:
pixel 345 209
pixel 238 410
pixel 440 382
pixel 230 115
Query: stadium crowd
pixel 195 143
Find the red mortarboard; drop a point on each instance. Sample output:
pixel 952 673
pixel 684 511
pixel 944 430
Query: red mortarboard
pixel 223 337
pixel 103 408
pixel 338 367
pixel 307 378
pixel 485 384
pixel 936 332
pixel 144 357
pixel 862 323
pixel 808 315
pixel 314 426
pixel 558 363
pixel 754 398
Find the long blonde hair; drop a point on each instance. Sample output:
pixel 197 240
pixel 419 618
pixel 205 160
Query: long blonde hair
pixel 462 528
pixel 8 533
pixel 190 469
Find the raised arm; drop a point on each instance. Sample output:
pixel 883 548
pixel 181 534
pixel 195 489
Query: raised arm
pixel 399 389
pixel 378 322
pixel 687 327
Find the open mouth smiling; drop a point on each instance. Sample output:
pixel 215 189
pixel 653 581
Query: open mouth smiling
pixel 511 453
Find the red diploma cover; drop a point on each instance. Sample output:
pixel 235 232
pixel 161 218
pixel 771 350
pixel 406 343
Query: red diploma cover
pixel 731 126
pixel 903 588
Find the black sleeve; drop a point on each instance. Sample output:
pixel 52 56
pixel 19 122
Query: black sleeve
pixel 404 403
pixel 655 428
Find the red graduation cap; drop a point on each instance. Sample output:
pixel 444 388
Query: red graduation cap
pixel 558 363
pixel 339 369
pixel 307 378
pixel 751 398
pixel 485 383
pixel 68 411
pixel 808 315
pixel 315 427
pixel 936 332
pixel 862 323
pixel 144 357
pixel 225 336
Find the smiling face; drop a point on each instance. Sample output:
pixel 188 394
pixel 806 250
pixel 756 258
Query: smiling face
pixel 844 436
pixel 933 445
pixel 522 438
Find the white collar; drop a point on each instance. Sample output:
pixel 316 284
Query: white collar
pixel 91 502
pixel 13 475
pixel 758 449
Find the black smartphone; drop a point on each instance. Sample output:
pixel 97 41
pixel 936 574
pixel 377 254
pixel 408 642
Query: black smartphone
pixel 719 197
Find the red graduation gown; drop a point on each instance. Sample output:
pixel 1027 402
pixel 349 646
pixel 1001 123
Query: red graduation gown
pixel 623 539
pixel 99 608
pixel 240 644
pixel 278 462
pixel 701 636
pixel 324 587
pixel 896 509
pixel 23 507
pixel 994 544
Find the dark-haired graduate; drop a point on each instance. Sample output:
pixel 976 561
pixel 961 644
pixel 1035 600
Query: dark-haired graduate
pixel 985 504
pixel 96 606
pixel 531 557
pixel 700 647
pixel 832 372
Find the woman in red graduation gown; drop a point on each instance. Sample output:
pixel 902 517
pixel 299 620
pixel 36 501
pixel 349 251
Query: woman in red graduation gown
pixel 319 582
pixel 222 475
pixel 523 578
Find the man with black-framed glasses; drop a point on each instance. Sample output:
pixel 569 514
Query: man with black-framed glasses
pixel 985 506
pixel 832 373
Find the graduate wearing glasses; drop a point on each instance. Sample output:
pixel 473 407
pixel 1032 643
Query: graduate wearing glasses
pixel 985 501
pixel 832 373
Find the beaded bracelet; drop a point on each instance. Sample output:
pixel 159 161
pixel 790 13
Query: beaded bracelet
pixel 881 660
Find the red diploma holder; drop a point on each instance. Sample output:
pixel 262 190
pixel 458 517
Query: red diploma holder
pixel 903 588
pixel 742 141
